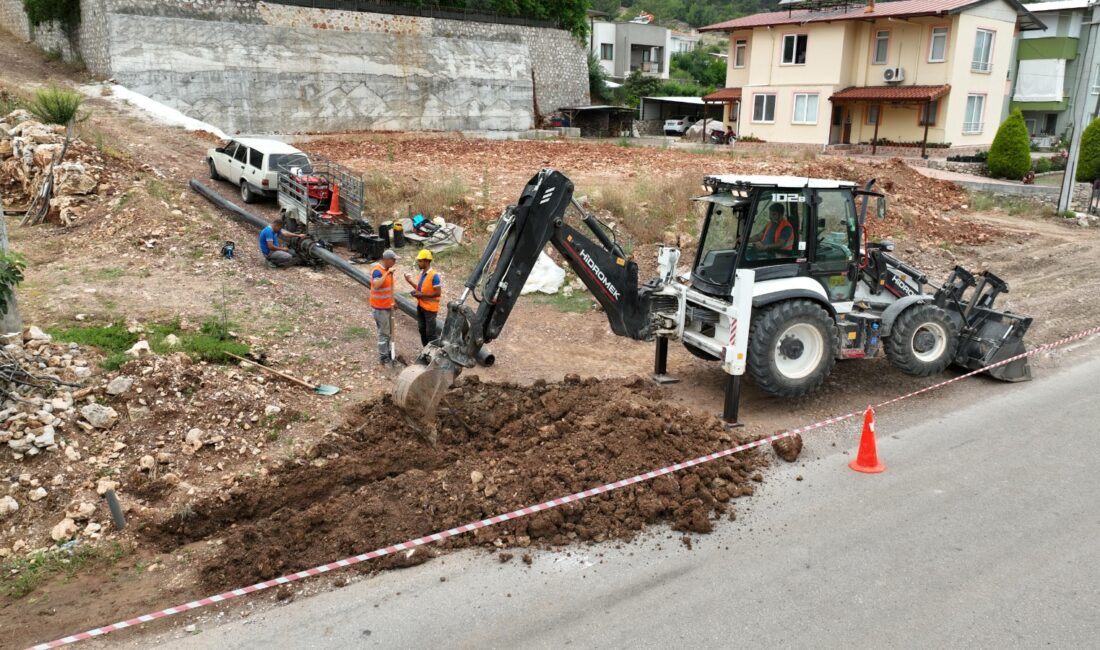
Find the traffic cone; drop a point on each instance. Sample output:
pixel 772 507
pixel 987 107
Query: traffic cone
pixel 867 459
pixel 334 207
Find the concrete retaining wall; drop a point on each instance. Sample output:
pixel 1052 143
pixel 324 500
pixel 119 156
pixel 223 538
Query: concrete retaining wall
pixel 257 67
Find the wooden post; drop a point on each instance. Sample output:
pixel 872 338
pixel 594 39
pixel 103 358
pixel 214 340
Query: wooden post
pixel 10 321
pixel 704 140
pixel 927 119
pixel 878 118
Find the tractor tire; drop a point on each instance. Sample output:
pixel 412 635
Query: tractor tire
pixel 247 195
pixel 923 341
pixel 214 175
pixel 792 348
pixel 700 353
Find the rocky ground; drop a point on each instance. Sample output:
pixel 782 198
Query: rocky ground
pixel 227 475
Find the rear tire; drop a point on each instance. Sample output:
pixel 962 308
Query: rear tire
pixel 792 348
pixel 247 195
pixel 214 175
pixel 923 341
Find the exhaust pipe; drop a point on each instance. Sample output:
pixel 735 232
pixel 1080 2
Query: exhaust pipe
pixel 407 306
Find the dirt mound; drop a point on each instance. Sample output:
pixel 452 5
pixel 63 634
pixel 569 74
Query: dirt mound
pixel 502 446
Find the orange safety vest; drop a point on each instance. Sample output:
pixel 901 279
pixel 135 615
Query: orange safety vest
pixel 427 279
pixel 381 297
pixel 782 233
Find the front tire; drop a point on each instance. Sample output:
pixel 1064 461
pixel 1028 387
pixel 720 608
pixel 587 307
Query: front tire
pixel 792 348
pixel 214 175
pixel 923 341
pixel 247 195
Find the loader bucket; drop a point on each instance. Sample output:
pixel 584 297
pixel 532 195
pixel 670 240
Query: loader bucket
pixel 420 387
pixel 1000 336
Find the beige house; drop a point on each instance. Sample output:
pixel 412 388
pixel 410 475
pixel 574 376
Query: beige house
pixel 839 73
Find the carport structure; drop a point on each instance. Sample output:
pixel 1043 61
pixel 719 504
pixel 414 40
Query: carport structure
pixel 731 99
pixel 921 96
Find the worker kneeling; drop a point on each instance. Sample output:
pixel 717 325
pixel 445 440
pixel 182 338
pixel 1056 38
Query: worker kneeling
pixel 427 291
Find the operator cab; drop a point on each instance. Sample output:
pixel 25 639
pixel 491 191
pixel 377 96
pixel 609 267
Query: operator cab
pixel 781 227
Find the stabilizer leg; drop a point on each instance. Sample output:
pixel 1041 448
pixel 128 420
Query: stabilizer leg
pixel 732 403
pixel 660 363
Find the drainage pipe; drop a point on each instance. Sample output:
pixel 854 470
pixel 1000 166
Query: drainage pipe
pixel 405 305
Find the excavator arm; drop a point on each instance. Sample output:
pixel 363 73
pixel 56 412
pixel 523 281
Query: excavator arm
pixel 494 285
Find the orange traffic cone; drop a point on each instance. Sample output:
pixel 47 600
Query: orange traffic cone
pixel 867 459
pixel 334 207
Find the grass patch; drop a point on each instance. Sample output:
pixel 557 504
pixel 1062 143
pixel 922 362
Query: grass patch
pixel 55 105
pixel 24 575
pixel 158 190
pixel 357 332
pixel 651 206
pixel 9 102
pixel 110 273
pixel 211 343
pixel 576 302
pixel 386 197
pixel 985 202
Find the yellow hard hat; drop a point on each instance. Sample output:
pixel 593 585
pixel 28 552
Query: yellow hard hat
pixel 424 254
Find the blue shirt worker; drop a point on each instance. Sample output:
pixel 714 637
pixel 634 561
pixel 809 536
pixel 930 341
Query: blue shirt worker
pixel 274 252
pixel 427 291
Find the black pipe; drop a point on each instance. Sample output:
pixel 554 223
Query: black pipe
pixel 405 305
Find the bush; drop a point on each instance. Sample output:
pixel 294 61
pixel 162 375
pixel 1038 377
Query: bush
pixel 1043 165
pixel 597 80
pixel 55 105
pixel 1010 155
pixel 1088 162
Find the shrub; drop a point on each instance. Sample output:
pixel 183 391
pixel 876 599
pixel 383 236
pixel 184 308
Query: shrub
pixel 1043 165
pixel 1010 155
pixel 1088 162
pixel 55 105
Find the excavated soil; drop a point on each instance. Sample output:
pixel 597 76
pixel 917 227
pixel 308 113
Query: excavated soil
pixel 374 482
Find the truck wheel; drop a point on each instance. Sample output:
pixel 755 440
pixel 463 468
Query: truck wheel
pixel 922 341
pixel 792 348
pixel 247 195
pixel 214 175
pixel 700 352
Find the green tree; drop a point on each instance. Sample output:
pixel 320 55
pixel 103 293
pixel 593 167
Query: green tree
pixel 701 66
pixel 1088 161
pixel 1010 154
pixel 597 80
pixel 635 87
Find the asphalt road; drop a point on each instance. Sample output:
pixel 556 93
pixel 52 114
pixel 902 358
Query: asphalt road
pixel 983 532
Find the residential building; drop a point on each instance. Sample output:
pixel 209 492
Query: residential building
pixel 684 41
pixel 824 72
pixel 623 48
pixel 1048 65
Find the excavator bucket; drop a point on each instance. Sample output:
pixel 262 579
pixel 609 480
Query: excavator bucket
pixel 1000 337
pixel 420 387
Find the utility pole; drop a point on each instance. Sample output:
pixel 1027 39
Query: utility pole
pixel 1080 113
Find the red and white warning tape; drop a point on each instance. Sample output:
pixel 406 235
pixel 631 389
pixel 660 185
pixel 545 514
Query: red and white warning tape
pixel 523 512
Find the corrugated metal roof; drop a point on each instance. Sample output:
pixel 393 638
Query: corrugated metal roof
pixel 901 8
pixel 891 93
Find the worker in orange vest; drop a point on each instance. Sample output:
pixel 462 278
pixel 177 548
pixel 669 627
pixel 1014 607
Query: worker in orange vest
pixel 427 291
pixel 778 235
pixel 381 303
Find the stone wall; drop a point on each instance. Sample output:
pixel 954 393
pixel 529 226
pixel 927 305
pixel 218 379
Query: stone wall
pixel 259 67
pixel 261 78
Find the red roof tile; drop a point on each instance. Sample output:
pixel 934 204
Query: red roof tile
pixel 723 95
pixel 891 93
pixel 906 8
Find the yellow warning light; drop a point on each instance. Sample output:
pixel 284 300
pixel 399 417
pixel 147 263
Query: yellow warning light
pixel 851 336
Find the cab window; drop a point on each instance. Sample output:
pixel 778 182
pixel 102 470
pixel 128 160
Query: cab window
pixel 718 253
pixel 837 243
pixel 778 228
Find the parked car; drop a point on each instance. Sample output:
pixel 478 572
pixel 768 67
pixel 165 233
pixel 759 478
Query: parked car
pixel 677 125
pixel 253 164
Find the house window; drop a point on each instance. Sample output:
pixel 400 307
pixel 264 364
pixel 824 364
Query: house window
pixel 1030 124
pixel 928 113
pixel 872 113
pixel 739 53
pixel 805 109
pixel 975 111
pixel 937 49
pixel 763 108
pixel 882 47
pixel 794 49
pixel 983 52
pixel 607 51
pixel 1094 85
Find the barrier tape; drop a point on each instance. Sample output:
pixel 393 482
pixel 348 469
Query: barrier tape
pixel 529 510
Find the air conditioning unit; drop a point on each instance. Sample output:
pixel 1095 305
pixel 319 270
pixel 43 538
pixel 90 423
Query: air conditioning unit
pixel 893 75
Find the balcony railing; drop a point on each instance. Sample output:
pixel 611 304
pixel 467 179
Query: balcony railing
pixel 981 66
pixel 973 127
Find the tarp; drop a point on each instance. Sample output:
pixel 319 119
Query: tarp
pixel 1040 80
pixel 546 277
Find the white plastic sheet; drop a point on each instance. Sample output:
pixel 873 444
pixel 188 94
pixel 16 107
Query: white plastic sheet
pixel 1040 80
pixel 546 277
